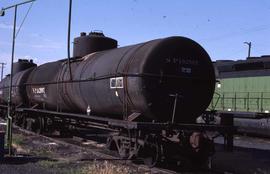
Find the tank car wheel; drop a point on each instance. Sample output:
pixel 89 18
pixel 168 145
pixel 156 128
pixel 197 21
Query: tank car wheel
pixel 111 144
pixel 209 163
pixel 150 153
pixel 24 123
pixel 18 119
pixel 38 125
pixel 123 150
pixel 28 124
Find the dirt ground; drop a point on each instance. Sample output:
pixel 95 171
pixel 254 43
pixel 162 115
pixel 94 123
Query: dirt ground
pixel 250 156
pixel 36 155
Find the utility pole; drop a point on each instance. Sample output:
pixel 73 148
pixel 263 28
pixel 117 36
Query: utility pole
pixel 249 47
pixel 68 39
pixel 9 113
pixel 2 69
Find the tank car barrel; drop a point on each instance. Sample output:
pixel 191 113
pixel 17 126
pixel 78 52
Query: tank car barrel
pixel 121 81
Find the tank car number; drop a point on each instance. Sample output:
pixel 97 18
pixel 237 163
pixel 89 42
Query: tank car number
pixel 40 90
pixel 182 61
pixel 185 70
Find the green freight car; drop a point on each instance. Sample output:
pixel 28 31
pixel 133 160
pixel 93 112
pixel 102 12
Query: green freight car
pixel 243 86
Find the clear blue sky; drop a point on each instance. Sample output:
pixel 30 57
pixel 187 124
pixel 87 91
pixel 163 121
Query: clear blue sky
pixel 220 27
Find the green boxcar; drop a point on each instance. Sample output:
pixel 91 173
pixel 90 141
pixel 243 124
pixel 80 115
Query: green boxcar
pixel 243 86
pixel 246 94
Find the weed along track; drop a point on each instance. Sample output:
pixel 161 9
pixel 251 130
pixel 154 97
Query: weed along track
pixel 67 155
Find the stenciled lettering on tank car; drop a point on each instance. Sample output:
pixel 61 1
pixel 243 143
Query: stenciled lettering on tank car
pixel 39 92
pixel 186 70
pixel 182 61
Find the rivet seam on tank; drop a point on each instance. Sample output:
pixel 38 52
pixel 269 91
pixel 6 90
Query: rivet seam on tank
pixel 88 56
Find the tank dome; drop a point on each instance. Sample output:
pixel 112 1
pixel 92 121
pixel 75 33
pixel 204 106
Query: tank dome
pixel 93 42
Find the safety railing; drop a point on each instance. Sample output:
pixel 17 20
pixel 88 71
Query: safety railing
pixel 242 101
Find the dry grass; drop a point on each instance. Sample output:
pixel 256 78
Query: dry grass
pixel 66 159
pixel 17 143
pixel 107 168
pixel 48 164
pixel 43 152
pixel 94 168
pixel 17 139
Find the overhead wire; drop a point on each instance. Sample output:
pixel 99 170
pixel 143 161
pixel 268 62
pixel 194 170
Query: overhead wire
pixel 30 7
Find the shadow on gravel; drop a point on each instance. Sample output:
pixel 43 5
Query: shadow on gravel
pixel 243 160
pixel 18 160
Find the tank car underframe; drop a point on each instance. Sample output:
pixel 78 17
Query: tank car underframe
pixel 183 144
pixel 248 123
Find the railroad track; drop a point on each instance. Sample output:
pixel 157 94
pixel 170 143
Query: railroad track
pixel 223 162
pixel 89 142
pixel 97 149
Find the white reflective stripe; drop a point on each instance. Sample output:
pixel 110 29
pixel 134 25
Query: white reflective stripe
pixel 119 82
pixel 116 82
pixel 112 83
